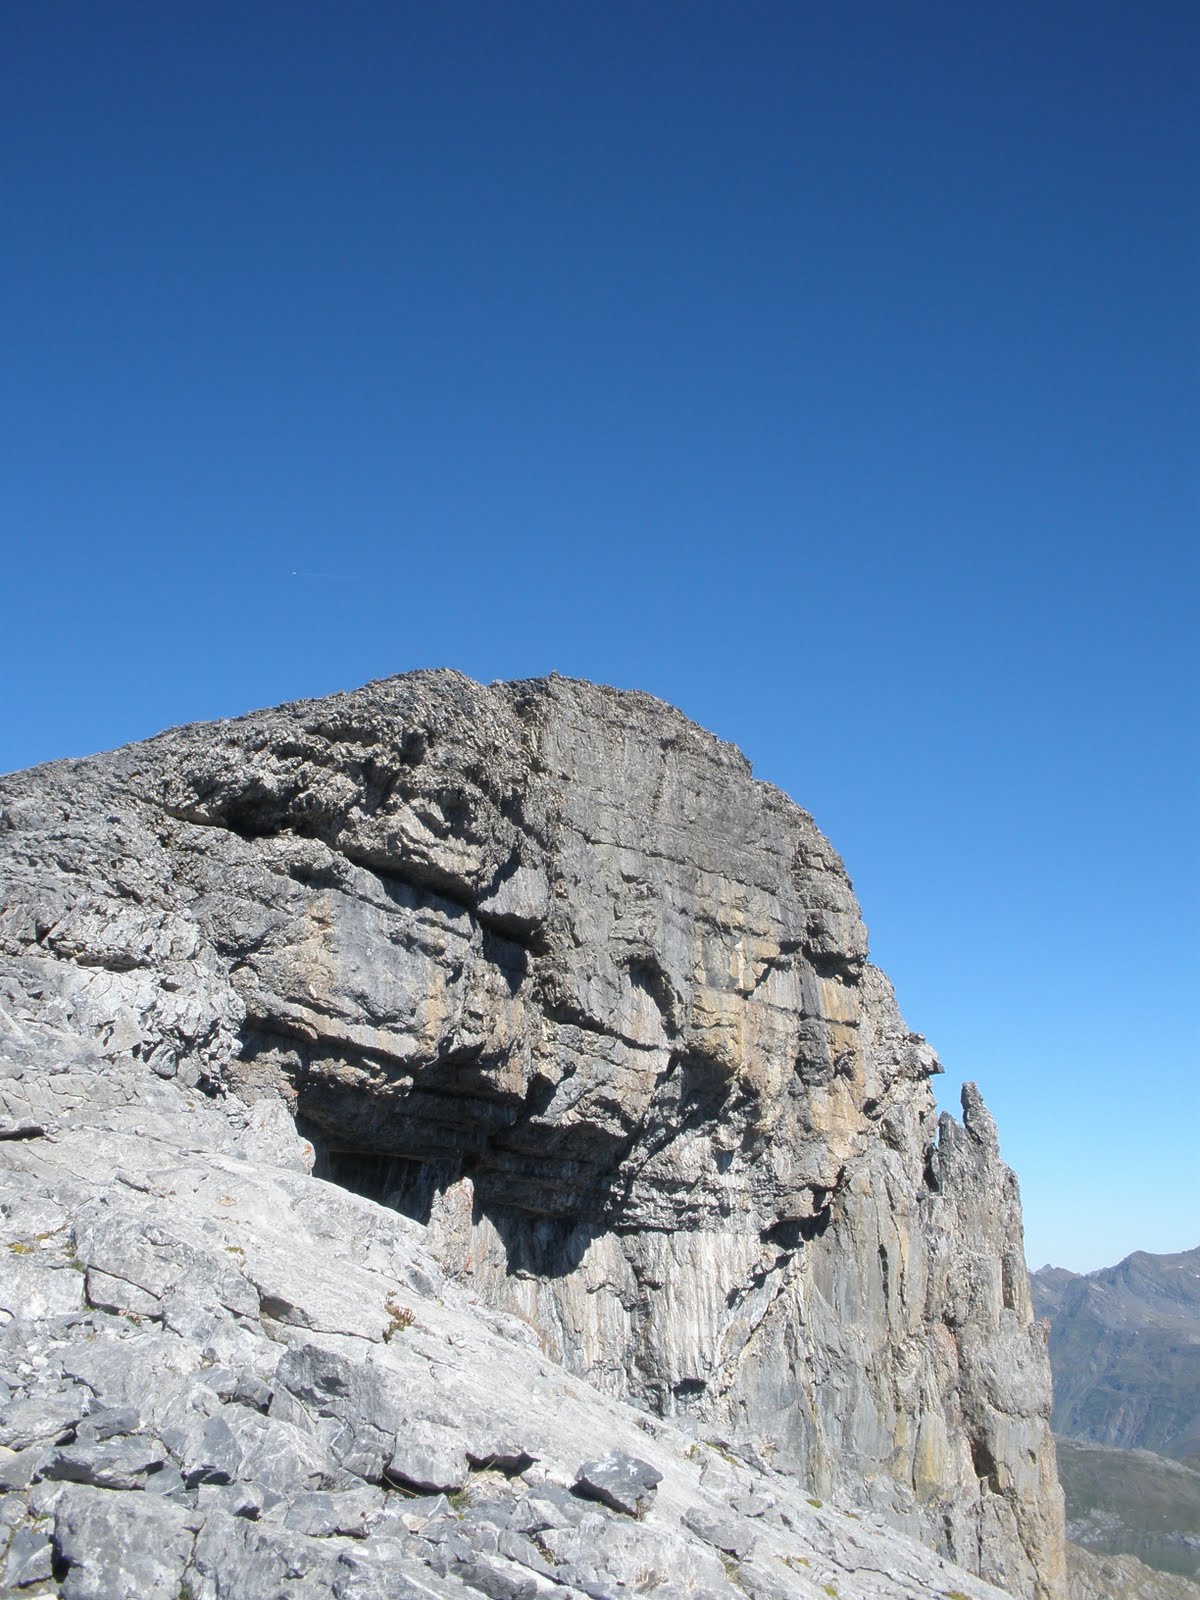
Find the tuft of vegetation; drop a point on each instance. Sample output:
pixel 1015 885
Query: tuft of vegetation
pixel 402 1318
pixel 544 1550
pixel 732 1569
pixel 817 1503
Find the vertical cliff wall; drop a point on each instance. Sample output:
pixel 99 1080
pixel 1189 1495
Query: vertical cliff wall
pixel 542 966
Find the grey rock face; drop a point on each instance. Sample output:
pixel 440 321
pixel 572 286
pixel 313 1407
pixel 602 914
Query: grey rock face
pixel 278 1441
pixel 30 1559
pixel 119 1545
pixel 542 968
pixel 620 1481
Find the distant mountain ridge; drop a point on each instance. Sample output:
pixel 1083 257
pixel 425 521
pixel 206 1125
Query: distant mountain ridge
pixel 1125 1351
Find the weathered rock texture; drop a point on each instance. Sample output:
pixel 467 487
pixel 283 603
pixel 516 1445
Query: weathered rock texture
pixel 541 966
pixel 224 1379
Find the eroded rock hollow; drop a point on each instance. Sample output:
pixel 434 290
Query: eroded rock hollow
pixel 542 966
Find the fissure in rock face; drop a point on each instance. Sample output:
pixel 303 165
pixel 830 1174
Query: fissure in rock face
pixel 542 966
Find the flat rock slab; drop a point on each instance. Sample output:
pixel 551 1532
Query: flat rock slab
pixel 619 1481
pixel 726 1534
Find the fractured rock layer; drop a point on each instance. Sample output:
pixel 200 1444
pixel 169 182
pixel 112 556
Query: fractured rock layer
pixel 542 966
pixel 225 1379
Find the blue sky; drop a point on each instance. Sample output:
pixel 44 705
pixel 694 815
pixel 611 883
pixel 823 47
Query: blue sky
pixel 828 371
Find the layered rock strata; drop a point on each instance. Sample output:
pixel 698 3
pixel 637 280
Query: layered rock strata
pixel 542 967
pixel 223 1379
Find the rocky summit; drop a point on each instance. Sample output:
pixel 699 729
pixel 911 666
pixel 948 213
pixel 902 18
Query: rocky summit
pixel 453 1141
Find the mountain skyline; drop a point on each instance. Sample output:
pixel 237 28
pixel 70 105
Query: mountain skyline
pixel 831 375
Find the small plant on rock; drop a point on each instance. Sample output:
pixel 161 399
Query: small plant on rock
pixel 401 1318
pixel 544 1550
pixel 733 1570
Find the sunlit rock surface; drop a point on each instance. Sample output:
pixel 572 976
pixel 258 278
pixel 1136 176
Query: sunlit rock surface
pixel 543 968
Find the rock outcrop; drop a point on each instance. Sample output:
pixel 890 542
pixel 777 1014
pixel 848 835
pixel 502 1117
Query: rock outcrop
pixel 543 969
pixel 225 1379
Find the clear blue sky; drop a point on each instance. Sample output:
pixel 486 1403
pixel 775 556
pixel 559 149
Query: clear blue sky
pixel 830 371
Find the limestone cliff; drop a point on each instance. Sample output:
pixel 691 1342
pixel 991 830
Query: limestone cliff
pixel 542 966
